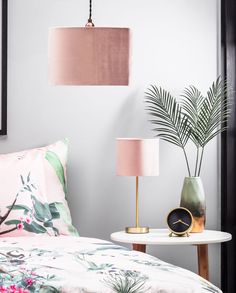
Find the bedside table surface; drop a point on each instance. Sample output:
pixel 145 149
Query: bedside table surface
pixel 161 237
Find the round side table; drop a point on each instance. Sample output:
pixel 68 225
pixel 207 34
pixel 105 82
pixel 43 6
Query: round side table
pixel 161 237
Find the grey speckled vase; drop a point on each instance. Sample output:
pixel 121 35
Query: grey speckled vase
pixel 193 199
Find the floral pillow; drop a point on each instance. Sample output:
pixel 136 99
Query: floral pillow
pixel 33 192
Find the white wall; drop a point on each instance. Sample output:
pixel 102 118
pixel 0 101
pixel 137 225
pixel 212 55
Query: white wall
pixel 174 44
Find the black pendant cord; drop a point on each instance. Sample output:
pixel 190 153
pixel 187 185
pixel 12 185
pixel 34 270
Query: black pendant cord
pixel 90 11
pixel 90 22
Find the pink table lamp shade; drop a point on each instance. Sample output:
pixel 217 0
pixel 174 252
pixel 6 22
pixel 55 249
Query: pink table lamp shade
pixel 89 56
pixel 137 157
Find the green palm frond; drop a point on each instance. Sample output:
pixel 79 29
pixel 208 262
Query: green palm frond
pixel 172 125
pixel 214 113
pixel 192 103
pixel 196 117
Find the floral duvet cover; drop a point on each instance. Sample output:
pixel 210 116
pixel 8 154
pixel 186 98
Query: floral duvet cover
pixel 88 265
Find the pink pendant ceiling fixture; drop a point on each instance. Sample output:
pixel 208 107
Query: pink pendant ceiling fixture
pixel 89 55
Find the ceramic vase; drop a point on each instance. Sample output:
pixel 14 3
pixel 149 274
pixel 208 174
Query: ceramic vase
pixel 193 198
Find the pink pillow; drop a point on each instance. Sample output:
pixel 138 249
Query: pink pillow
pixel 33 192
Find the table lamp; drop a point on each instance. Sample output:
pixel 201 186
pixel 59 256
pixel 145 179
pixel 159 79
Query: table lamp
pixel 137 157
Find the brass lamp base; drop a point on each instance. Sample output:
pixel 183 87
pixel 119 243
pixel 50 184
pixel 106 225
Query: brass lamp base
pixel 137 230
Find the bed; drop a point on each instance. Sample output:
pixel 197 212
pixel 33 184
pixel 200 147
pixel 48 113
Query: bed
pixel 41 251
pixel 80 264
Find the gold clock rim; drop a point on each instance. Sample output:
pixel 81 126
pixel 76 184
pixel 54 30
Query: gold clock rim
pixel 188 229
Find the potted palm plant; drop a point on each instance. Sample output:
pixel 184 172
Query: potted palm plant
pixel 194 118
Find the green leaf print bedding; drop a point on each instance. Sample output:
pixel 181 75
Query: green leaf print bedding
pixel 78 264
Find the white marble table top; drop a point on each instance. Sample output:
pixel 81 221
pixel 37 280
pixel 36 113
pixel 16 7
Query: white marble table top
pixel 161 237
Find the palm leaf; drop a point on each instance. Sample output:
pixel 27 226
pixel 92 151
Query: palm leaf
pixel 195 117
pixel 170 123
pixel 192 104
pixel 213 114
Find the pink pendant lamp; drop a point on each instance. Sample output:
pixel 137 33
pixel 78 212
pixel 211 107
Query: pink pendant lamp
pixel 137 157
pixel 89 55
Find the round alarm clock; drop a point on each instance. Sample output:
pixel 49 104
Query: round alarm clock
pixel 180 221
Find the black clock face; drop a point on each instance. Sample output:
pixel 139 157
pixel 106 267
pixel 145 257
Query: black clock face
pixel 179 220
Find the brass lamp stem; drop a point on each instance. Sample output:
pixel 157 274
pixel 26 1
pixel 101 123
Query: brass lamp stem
pixel 137 229
pixel 137 207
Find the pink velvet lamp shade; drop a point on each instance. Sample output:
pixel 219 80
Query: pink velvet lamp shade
pixel 137 157
pixel 88 56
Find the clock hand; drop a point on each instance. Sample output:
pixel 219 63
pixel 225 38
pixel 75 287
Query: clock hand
pixel 176 222
pixel 183 223
pixel 180 221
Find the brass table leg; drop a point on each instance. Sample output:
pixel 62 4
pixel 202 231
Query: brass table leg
pixel 203 266
pixel 139 247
